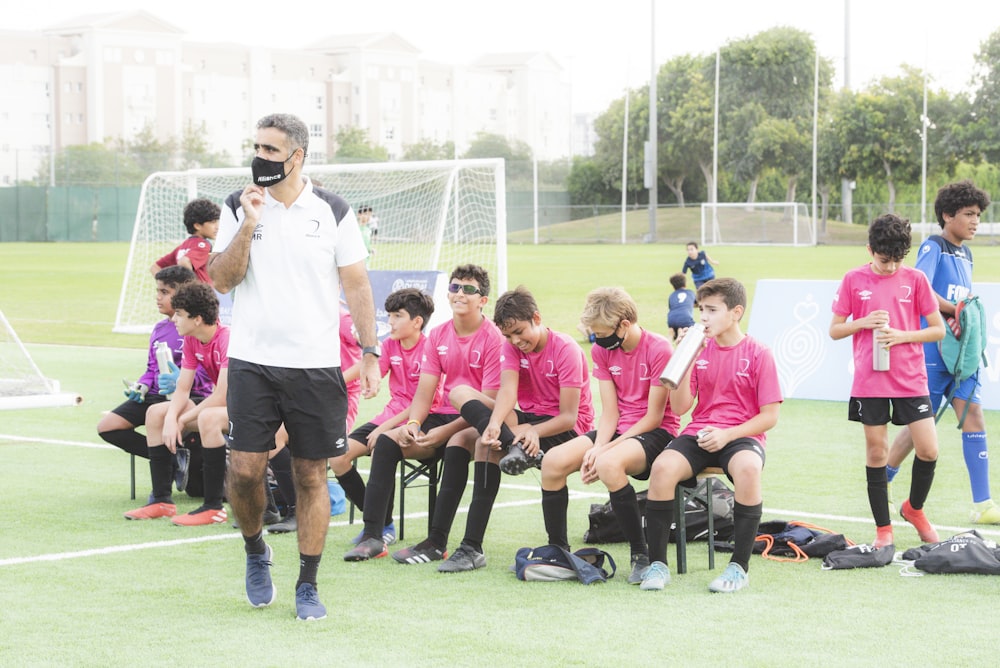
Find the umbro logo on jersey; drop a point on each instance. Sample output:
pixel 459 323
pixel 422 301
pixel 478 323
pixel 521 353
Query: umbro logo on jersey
pixel 442 350
pixel 258 232
pixel 615 370
pixel 865 295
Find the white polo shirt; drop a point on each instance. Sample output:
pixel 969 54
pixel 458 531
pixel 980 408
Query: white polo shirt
pixel 286 311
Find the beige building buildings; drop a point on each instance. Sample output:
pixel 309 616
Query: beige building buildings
pixel 105 77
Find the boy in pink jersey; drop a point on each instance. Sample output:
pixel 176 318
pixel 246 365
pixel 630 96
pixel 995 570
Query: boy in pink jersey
pixel 884 295
pixel 634 427
pixel 735 383
pixel 409 311
pixel 544 374
pixel 196 312
pixel 201 219
pixel 463 351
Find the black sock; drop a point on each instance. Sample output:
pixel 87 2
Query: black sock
pixel 161 473
pixel 453 480
pixel 255 544
pixel 485 487
pixel 308 567
pixel 128 440
pixel 385 458
pixel 281 467
pixel 878 494
pixel 354 487
pixel 554 506
pixel 626 508
pixel 659 517
pixel 920 481
pixel 214 476
pixel 746 519
pixel 478 415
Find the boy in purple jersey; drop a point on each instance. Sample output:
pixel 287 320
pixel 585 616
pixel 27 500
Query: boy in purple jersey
pixel 947 261
pixel 884 295
pixel 409 311
pixel 544 373
pixel 196 312
pixel 735 383
pixel 634 427
pixel 462 351
pixel 118 427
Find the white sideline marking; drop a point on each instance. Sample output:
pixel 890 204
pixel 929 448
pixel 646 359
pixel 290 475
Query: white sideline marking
pixel 55 441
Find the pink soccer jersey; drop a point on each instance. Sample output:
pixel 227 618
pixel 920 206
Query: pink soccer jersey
pixel 906 295
pixel 196 249
pixel 472 360
pixel 212 356
pixel 350 354
pixel 730 384
pixel 404 367
pixel 542 375
pixel 633 373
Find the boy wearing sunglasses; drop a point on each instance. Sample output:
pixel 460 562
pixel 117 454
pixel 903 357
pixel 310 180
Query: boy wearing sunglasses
pixel 464 351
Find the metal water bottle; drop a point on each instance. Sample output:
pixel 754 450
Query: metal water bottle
pixel 164 357
pixel 685 355
pixel 880 354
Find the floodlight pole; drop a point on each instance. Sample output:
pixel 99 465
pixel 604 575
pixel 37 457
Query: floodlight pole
pixel 815 141
pixel 625 165
pixel 653 166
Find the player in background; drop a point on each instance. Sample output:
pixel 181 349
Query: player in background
pixel 201 219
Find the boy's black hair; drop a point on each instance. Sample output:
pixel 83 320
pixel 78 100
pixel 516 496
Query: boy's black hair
pixel 199 211
pixel 692 243
pixel 175 276
pixel 889 235
pixel 955 196
pixel 197 299
pixel 517 305
pixel 473 272
pixel 414 302
pixel 678 281
pixel 732 292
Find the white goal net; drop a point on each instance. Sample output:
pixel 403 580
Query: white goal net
pixel 757 223
pixel 432 216
pixel 22 384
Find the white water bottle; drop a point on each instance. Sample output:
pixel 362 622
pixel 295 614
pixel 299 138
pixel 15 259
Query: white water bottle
pixel 685 355
pixel 164 357
pixel 880 354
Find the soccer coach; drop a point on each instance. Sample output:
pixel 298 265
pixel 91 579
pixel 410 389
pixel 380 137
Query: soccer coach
pixel 285 248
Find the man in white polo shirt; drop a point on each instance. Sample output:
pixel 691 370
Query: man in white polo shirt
pixel 285 249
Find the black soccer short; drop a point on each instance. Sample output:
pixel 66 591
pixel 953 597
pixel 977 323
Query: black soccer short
pixel 312 403
pixel 700 459
pixel 135 413
pixel 545 443
pixel 653 443
pixel 875 411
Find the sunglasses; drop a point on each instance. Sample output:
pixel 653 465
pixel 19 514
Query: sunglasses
pixel 455 288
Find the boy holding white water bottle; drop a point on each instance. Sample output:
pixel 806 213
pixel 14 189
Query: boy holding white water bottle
pixel 734 379
pixel 884 301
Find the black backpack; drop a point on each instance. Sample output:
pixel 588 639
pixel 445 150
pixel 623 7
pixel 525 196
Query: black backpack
pixel 966 552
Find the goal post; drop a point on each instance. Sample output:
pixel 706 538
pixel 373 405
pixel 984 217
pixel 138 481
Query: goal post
pixel 757 223
pixel 22 384
pixel 432 216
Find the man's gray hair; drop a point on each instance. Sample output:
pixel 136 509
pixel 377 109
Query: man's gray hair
pixel 292 126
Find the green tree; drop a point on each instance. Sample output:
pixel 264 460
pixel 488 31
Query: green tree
pixel 984 135
pixel 586 184
pixel 149 152
pixel 195 151
pixel 517 154
pixel 428 150
pixel 353 145
pixel 93 164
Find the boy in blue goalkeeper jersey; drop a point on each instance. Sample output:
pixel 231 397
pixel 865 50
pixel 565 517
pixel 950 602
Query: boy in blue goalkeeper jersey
pixel 700 265
pixel 947 261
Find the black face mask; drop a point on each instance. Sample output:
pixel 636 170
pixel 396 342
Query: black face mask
pixel 611 342
pixel 268 172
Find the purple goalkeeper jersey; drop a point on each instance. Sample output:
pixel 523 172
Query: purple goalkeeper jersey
pixel 165 330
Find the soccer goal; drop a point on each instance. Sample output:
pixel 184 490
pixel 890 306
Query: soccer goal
pixel 432 216
pixel 22 384
pixel 757 223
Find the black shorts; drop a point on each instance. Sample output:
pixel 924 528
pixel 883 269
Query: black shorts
pixel 700 459
pixel 653 443
pixel 135 413
pixel 361 434
pixel 312 404
pixel 546 443
pixel 874 411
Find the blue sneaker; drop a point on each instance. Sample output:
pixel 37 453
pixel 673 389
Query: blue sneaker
pixel 182 468
pixel 307 605
pixel 657 577
pixel 732 579
pixel 388 535
pixel 261 591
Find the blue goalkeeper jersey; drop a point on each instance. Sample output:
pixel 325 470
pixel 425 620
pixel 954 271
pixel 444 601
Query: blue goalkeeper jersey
pixel 949 269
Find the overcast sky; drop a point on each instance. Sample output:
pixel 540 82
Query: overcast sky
pixel 604 44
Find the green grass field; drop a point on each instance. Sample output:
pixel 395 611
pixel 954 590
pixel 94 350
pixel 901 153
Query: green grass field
pixel 80 586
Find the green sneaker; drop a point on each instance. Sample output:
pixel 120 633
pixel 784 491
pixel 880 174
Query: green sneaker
pixel 656 578
pixel 986 512
pixel 732 579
